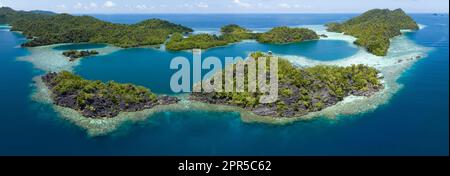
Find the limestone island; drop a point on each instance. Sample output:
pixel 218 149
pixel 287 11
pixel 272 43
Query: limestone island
pixel 301 90
pixel 74 54
pixel 284 34
pixel 374 28
pixel 46 29
pixel 233 33
pixel 51 28
pixel 95 99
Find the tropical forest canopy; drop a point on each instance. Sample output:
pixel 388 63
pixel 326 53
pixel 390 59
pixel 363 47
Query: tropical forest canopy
pixel 374 28
pixel 301 90
pixel 233 33
pixel 95 98
pixel 230 34
pixel 284 34
pixel 48 28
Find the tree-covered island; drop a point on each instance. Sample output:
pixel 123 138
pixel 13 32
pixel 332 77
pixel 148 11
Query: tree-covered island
pixel 374 28
pixel 301 90
pixel 75 54
pixel 48 28
pixel 284 34
pixel 95 99
pixel 233 33
pixel 229 34
pixel 51 28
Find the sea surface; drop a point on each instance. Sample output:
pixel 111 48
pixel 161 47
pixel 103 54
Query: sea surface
pixel 413 122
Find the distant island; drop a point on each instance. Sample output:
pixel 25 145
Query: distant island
pixel 302 90
pixel 233 33
pixel 74 54
pixel 284 34
pixel 44 28
pixel 95 99
pixel 374 28
pixel 230 34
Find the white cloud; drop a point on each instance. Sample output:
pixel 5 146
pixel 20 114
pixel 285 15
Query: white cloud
pixel 78 5
pixel 202 5
pixel 302 6
pixel 1 5
pixel 242 4
pixel 187 5
pixel 109 4
pixel 284 5
pixel 93 5
pixel 262 5
pixel 141 7
pixel 62 6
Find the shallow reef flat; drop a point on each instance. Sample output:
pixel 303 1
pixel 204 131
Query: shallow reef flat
pixel 402 54
pixel 4 27
pixel 48 59
pixel 93 126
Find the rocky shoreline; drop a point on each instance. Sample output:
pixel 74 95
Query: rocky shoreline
pixel 271 110
pixel 302 90
pixel 97 105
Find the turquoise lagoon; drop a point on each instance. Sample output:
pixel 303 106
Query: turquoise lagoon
pixel 413 122
pixel 150 67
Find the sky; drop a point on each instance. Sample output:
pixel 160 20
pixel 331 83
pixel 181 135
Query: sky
pixel 226 6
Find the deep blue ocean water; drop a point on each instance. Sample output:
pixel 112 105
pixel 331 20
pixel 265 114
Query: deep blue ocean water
pixel 414 122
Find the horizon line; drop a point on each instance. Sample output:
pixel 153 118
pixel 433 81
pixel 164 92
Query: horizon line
pixel 146 13
pixel 238 13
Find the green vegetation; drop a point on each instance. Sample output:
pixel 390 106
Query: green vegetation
pixel 233 33
pixel 46 29
pixel 95 98
pixel 233 29
pixel 230 34
pixel 302 90
pixel 281 35
pixel 74 54
pixel 237 33
pixel 68 83
pixel 201 41
pixel 374 28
